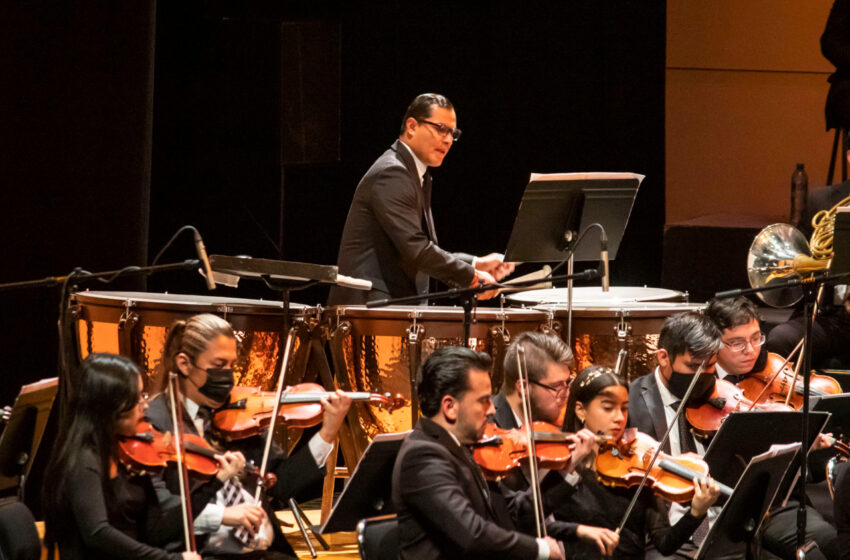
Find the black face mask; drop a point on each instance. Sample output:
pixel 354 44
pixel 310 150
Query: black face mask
pixel 218 385
pixel 679 382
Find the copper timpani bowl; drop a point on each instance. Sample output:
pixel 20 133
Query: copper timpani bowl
pixel 378 350
pixel 136 325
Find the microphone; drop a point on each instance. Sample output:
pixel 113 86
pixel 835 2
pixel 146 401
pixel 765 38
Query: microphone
pixel 205 261
pixel 603 243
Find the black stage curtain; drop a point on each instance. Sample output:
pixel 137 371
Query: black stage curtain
pixel 99 168
pixel 75 151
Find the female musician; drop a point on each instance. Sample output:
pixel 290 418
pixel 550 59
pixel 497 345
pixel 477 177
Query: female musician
pixel 93 508
pixel 202 350
pixel 599 401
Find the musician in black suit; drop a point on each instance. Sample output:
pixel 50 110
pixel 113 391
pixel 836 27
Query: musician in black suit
pixel 445 507
pixel 389 236
pixel 547 360
pixel 202 351
pixel 686 341
pixel 740 354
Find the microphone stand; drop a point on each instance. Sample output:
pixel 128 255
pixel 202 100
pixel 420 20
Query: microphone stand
pixel 810 287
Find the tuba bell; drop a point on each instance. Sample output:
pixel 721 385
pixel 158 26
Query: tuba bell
pixel 780 250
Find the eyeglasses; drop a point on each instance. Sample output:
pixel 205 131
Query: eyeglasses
pixel 739 346
pixel 558 389
pixel 443 130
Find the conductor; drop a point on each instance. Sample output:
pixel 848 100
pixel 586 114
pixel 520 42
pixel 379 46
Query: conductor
pixel 389 237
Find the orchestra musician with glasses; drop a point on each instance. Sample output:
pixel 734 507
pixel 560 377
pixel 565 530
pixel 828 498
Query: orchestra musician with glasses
pixel 547 361
pixel 742 352
pixel 389 236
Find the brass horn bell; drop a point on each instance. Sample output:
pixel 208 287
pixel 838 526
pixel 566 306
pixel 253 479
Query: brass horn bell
pixel 777 252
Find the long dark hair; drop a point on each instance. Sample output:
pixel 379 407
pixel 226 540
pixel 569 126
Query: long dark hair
pixel 109 387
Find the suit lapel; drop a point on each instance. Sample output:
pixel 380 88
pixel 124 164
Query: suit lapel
pixel 655 407
pixel 443 437
pixel 423 191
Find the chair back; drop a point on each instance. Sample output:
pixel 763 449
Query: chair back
pixel 377 538
pixel 19 538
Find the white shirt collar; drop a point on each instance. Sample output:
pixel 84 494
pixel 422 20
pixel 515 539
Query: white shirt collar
pixel 667 397
pixel 421 168
pixel 721 373
pixel 191 408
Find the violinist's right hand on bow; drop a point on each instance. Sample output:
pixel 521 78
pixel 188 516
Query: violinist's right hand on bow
pixel 191 556
pixel 706 493
pixel 556 550
pixel 230 464
pixel 604 539
pixel 245 515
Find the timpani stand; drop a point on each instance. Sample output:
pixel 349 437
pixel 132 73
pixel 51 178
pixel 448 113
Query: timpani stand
pixel 285 277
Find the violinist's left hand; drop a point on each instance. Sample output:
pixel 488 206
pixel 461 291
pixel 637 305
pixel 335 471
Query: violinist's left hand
pixel 584 441
pixel 335 408
pixel 706 493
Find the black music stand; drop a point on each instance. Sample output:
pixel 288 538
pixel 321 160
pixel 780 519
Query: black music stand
pixel 23 432
pixel 839 408
pixel 733 531
pixel 729 452
pixel 556 207
pixel 368 491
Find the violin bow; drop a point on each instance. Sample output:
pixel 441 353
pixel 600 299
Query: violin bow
pixel 532 448
pixel 661 444
pixel 275 410
pixel 182 475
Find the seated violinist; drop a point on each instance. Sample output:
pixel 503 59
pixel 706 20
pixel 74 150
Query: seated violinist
pixel 548 360
pixel 202 350
pixel 445 507
pixel 741 354
pixel 742 351
pixel 599 402
pixel 94 507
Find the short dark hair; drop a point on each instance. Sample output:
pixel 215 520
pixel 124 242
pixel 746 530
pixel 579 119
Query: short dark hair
pixel 729 313
pixel 446 372
pixel 689 332
pixel 587 385
pixel 540 350
pixel 422 107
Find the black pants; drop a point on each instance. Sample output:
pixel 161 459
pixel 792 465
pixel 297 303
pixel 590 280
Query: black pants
pixel 780 533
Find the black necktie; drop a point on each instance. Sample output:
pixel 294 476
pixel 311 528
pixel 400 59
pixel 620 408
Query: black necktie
pixel 429 217
pixel 479 476
pixel 686 439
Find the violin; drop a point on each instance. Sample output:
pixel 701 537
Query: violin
pixel 150 451
pixel 781 380
pixel 497 453
pixel 250 410
pixel 623 463
pixel 725 399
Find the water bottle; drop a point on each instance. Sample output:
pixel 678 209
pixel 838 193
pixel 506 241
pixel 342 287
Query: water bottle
pixel 799 188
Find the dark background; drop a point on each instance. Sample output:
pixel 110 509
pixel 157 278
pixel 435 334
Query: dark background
pixel 121 121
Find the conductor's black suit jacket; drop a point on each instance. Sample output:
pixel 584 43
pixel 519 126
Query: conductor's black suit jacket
pixel 389 236
pixel 442 510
